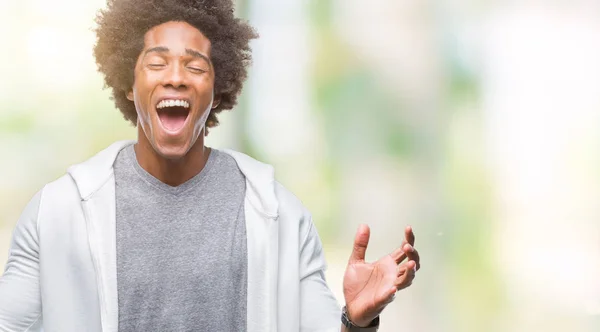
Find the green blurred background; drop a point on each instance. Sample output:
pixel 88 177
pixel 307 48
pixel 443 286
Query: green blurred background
pixel 476 122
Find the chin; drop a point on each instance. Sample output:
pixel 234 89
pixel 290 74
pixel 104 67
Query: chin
pixel 171 150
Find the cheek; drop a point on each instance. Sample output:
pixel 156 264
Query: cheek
pixel 205 116
pixel 205 100
pixel 140 95
pixel 206 106
pixel 200 120
pixel 141 109
pixel 139 106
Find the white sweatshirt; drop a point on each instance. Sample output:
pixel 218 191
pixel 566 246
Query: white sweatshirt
pixel 61 269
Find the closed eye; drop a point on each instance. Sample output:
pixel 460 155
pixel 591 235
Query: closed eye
pixel 196 70
pixel 156 65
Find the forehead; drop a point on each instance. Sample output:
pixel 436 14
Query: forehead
pixel 177 36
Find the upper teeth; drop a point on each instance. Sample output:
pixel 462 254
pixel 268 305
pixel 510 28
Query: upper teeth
pixel 173 103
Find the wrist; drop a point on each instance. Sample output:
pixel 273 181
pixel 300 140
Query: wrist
pixel 359 322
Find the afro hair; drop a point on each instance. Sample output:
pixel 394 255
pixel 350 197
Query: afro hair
pixel 120 40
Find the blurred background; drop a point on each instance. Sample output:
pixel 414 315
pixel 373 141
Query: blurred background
pixel 476 122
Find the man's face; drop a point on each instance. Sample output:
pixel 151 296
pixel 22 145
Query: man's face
pixel 173 87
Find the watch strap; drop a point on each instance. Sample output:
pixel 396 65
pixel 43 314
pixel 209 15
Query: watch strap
pixel 372 327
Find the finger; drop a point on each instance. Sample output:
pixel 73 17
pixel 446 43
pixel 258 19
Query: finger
pixel 406 250
pixel 405 267
pixel 405 281
pixel 389 296
pixel 361 241
pixel 406 275
pixel 409 235
pixel 412 254
pixel 401 270
pixel 398 255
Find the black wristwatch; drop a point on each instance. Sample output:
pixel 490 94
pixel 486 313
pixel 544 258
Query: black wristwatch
pixel 373 327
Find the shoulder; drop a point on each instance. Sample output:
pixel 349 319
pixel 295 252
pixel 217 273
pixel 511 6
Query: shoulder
pixel 289 204
pixel 52 197
pixel 62 189
pixel 293 213
pixel 59 202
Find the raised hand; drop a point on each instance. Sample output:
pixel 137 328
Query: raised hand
pixel 370 287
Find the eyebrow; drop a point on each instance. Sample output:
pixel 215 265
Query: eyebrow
pixel 162 49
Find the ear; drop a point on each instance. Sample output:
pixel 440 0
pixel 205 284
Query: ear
pixel 216 101
pixel 130 95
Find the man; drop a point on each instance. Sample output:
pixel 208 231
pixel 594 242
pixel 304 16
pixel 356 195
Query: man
pixel 166 234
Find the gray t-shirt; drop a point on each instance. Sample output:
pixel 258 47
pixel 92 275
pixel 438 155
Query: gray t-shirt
pixel 181 251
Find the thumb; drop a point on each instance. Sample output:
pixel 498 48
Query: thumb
pixel 361 240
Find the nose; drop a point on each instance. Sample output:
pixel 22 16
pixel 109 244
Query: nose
pixel 175 77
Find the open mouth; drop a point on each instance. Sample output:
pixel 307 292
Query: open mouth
pixel 173 113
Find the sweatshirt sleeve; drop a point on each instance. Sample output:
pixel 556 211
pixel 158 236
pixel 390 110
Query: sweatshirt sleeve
pixel 319 309
pixel 20 302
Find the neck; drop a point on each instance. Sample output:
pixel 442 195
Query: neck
pixel 171 171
